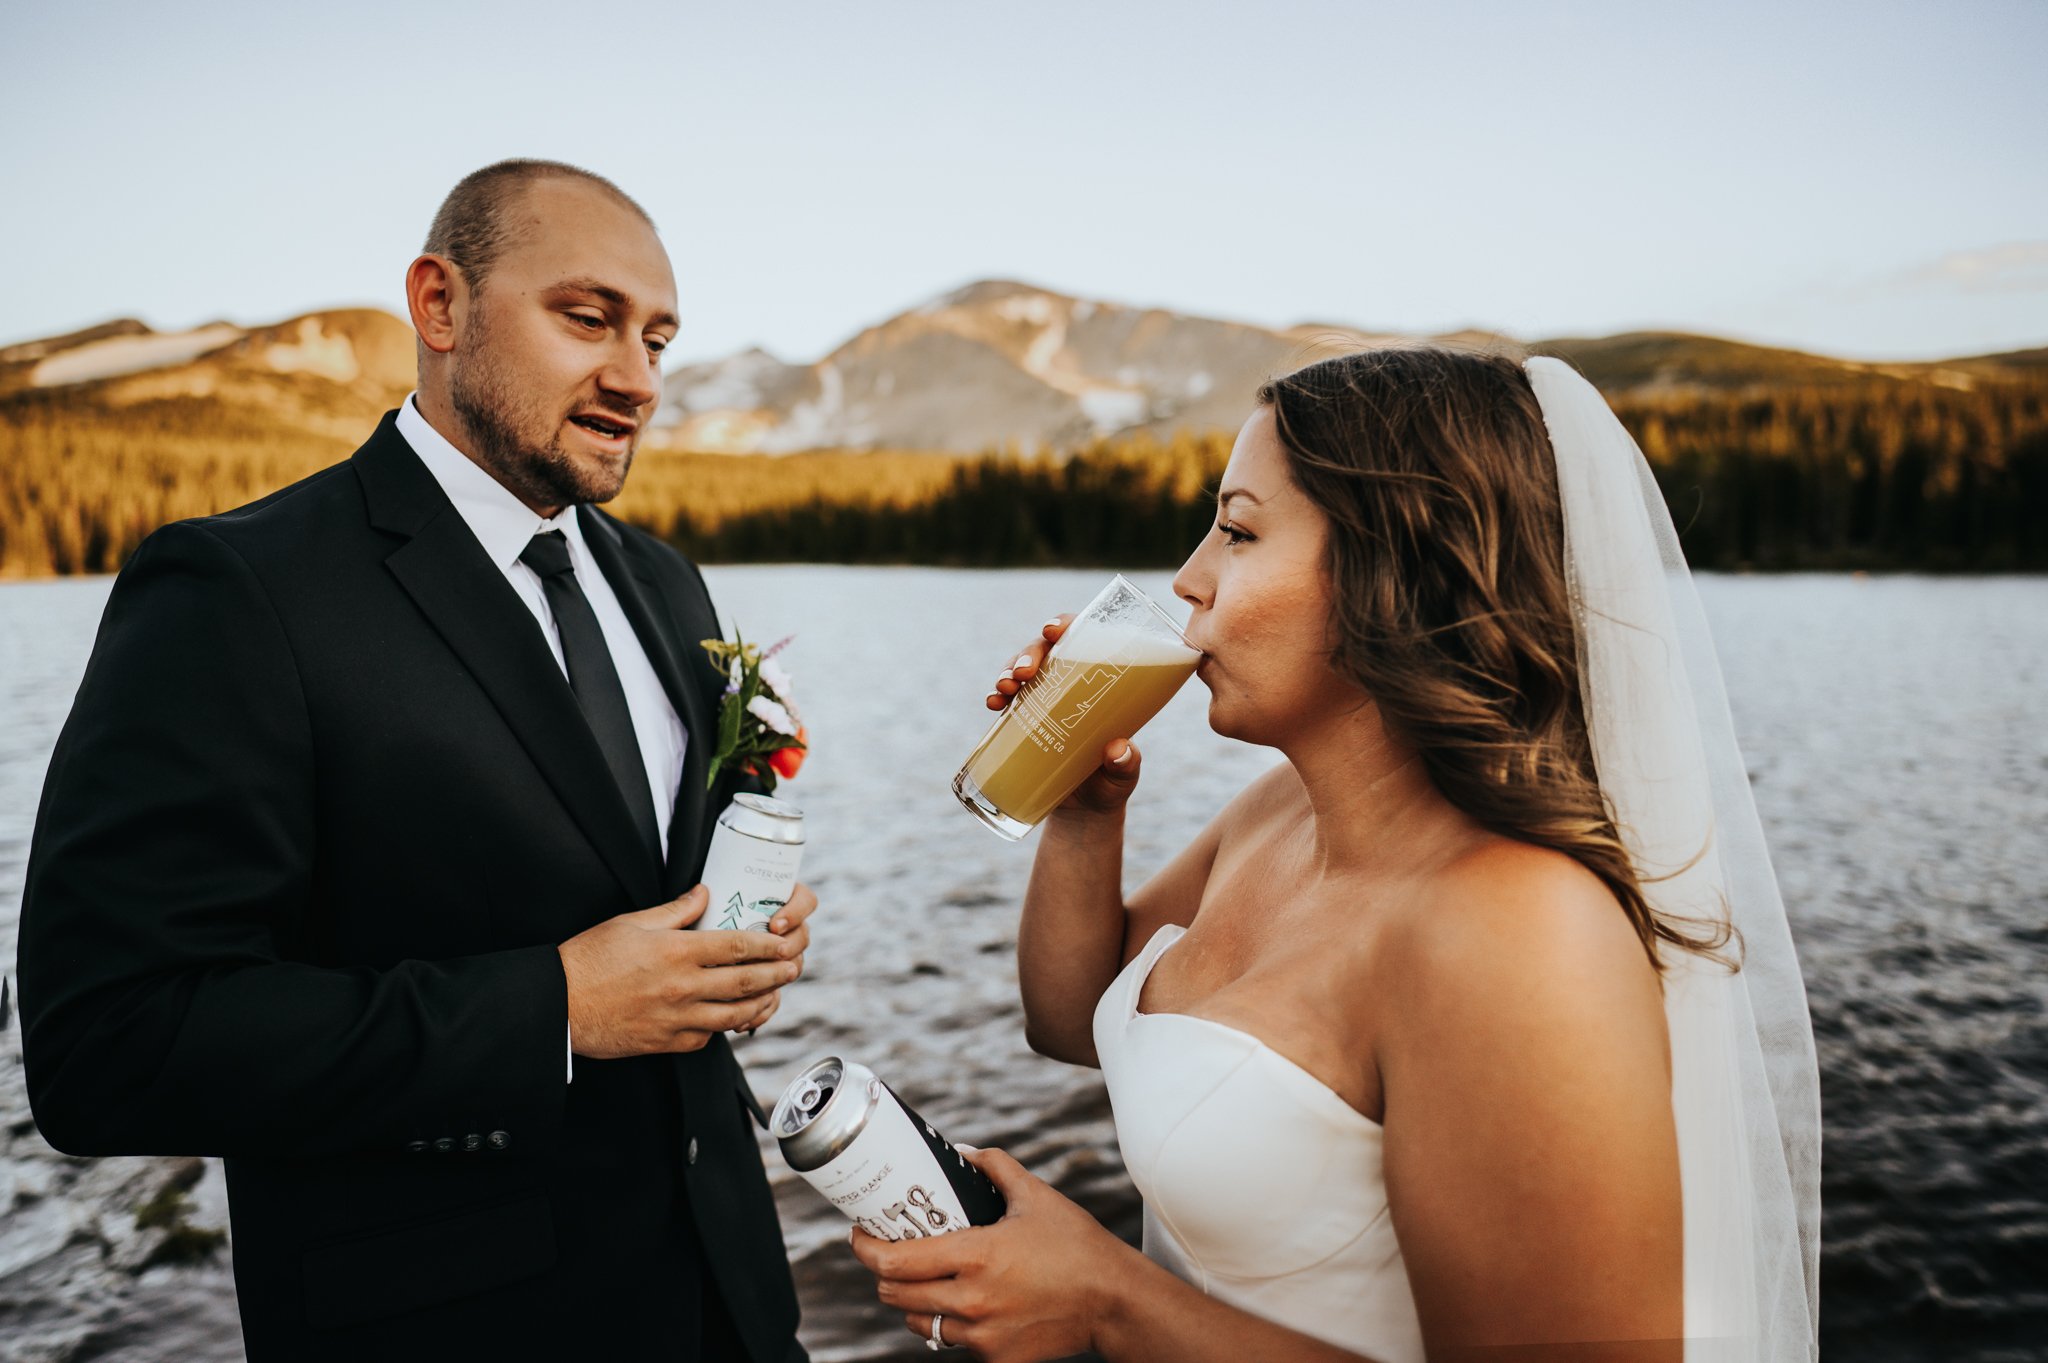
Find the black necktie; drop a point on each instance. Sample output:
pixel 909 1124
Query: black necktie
pixel 593 678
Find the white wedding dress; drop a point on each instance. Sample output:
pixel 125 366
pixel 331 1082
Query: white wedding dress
pixel 1262 1187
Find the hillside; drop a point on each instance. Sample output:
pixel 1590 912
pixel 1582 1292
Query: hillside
pixel 109 432
pixel 1773 457
pixel 993 365
pixel 1000 364
pixel 321 373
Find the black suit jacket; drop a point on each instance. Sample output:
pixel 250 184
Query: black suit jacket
pixel 323 809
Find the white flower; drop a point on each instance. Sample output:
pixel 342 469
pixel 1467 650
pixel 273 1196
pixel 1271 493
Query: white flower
pixel 735 676
pixel 776 679
pixel 772 715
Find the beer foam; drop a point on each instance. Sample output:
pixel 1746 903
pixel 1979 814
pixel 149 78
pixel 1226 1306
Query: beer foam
pixel 1104 642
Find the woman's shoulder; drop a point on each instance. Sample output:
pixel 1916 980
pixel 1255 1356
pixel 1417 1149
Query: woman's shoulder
pixel 1502 889
pixel 1272 799
pixel 1175 893
pixel 1505 918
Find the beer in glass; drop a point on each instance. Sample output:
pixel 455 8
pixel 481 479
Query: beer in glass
pixel 1114 668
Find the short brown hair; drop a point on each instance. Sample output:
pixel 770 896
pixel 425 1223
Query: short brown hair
pixel 474 224
pixel 1451 608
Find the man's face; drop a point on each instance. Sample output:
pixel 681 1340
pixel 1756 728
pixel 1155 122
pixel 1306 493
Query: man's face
pixel 557 360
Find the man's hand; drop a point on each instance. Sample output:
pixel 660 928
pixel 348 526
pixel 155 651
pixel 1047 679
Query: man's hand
pixel 792 922
pixel 637 986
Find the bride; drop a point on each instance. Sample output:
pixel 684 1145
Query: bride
pixel 1473 1028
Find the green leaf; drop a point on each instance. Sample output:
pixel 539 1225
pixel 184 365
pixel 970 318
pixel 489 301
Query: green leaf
pixel 729 716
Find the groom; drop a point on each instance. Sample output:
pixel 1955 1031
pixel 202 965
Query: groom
pixel 378 788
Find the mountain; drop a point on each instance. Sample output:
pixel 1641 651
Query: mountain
pixel 1000 363
pixel 326 373
pixel 992 365
pixel 1653 363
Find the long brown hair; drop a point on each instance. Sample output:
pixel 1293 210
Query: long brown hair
pixel 1446 563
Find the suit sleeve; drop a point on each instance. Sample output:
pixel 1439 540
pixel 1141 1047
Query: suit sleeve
pixel 173 859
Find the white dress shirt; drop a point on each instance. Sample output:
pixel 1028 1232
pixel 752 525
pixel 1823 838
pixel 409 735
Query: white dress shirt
pixel 503 525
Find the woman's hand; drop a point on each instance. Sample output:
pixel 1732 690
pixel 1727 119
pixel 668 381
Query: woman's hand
pixel 1110 785
pixel 1035 1285
pixel 1012 678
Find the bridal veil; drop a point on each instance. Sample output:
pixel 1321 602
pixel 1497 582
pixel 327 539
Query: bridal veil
pixel 1745 1089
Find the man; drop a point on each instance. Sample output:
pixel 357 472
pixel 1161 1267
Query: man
pixel 374 789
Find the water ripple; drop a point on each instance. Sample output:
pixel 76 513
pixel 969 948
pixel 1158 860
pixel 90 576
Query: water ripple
pixel 1901 765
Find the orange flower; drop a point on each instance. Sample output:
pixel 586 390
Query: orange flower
pixel 786 761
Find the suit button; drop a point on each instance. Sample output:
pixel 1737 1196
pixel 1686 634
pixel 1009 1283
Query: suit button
pixel 499 1140
pixel 414 1147
pixel 690 1151
pixel 444 1145
pixel 472 1142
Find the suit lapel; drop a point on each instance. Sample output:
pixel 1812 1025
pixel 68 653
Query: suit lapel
pixel 685 673
pixel 469 603
pixel 671 638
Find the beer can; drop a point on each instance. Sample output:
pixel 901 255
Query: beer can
pixel 752 865
pixel 890 1171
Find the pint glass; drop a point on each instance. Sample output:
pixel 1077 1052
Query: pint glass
pixel 1113 669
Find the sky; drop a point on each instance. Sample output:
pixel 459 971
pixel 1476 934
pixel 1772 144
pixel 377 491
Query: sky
pixel 1867 180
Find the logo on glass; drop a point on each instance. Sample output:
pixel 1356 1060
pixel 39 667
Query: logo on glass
pixel 1068 690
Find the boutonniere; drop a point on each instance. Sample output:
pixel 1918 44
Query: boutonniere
pixel 760 729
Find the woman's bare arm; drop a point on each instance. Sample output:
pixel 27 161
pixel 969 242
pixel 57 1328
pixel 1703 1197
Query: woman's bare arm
pixel 1078 930
pixel 1531 1155
pixel 1157 1318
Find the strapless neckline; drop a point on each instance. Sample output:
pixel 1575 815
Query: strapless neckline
pixel 1263 1188
pixel 1161 942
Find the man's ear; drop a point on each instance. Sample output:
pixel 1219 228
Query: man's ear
pixel 432 285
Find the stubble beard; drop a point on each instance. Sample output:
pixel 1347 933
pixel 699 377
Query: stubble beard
pixel 506 433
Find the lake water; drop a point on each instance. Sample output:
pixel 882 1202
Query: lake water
pixel 1898 734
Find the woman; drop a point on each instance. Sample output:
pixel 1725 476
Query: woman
pixel 1433 1043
